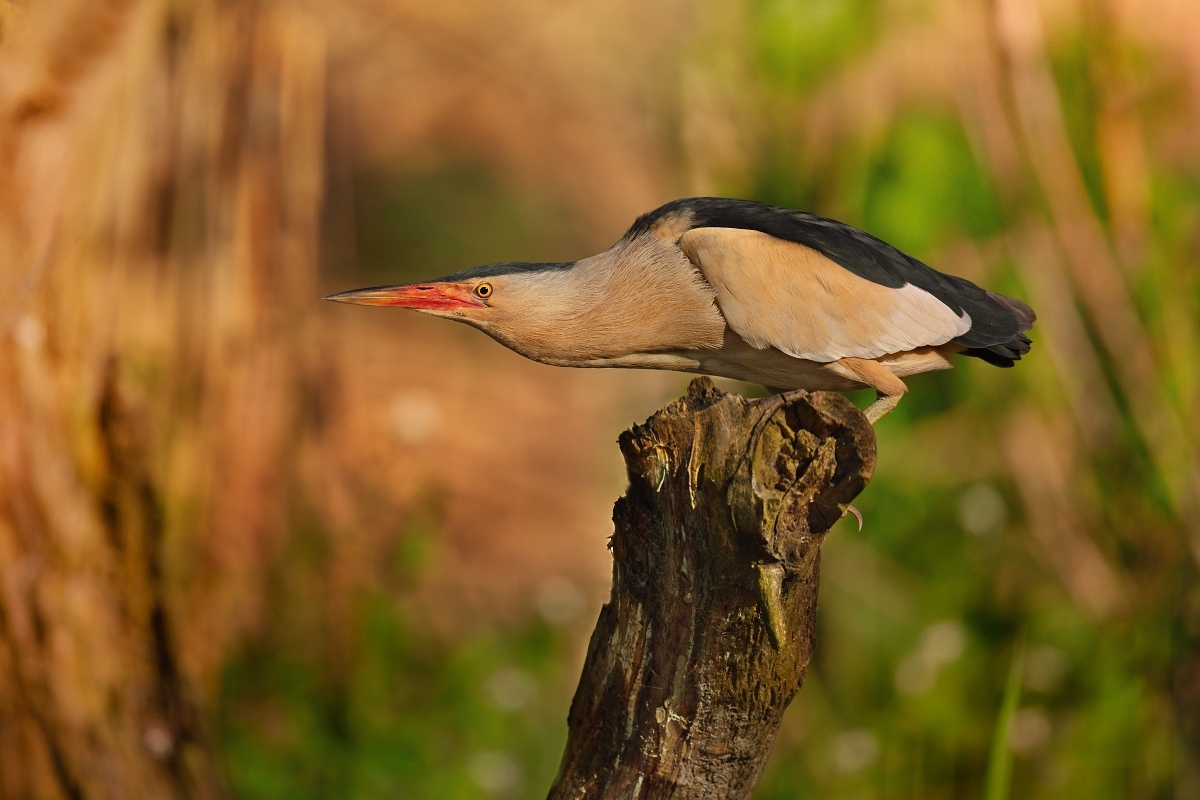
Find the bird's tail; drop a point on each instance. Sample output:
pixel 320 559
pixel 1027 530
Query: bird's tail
pixel 1008 353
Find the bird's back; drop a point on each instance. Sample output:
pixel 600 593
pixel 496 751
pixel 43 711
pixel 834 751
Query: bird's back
pixel 997 323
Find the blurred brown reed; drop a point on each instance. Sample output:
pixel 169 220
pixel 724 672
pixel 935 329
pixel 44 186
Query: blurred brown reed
pixel 168 405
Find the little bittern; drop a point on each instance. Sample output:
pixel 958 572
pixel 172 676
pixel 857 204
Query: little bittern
pixel 782 298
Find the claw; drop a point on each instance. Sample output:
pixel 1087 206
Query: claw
pixel 857 515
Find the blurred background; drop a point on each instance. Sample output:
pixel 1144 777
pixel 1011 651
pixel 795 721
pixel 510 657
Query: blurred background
pixel 253 545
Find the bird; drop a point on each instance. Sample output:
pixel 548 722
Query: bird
pixel 735 288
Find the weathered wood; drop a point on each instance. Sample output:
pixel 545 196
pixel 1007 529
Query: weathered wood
pixel 710 627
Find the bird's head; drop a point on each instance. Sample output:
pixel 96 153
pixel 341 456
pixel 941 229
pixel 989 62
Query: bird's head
pixel 505 300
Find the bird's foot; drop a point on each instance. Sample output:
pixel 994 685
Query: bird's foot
pixel 857 515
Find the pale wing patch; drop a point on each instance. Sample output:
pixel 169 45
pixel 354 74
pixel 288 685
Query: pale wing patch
pixel 775 293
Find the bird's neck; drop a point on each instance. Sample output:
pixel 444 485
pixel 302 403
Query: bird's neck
pixel 634 299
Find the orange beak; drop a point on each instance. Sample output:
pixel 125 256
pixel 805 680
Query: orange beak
pixel 417 296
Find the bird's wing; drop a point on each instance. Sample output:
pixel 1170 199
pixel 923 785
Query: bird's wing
pixel 782 294
pixel 998 323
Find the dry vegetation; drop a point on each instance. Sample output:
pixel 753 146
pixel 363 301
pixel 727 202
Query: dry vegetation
pixel 169 404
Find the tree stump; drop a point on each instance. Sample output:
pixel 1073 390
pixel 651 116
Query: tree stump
pixel 710 627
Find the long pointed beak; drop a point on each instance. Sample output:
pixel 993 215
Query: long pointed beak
pixel 417 296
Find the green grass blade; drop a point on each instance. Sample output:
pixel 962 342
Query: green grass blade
pixel 999 771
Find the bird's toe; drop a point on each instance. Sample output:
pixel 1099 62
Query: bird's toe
pixel 857 515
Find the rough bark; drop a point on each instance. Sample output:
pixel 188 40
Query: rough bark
pixel 710 627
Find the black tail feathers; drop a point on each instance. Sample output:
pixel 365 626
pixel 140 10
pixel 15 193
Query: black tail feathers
pixel 1019 309
pixel 1008 353
pixel 1002 355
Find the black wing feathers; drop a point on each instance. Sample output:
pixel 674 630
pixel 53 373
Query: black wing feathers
pixel 997 322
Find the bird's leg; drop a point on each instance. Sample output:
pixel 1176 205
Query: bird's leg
pixel 888 388
pixel 883 405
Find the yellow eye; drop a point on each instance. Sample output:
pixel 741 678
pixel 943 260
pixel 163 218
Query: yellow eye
pixel 483 290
